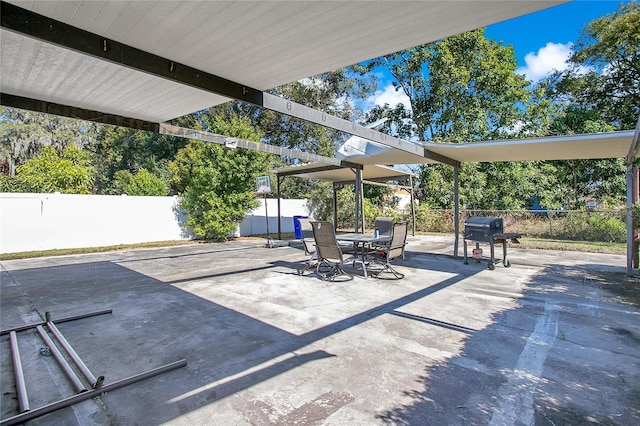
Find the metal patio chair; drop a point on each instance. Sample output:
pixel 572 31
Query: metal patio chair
pixel 390 251
pixel 309 244
pixel 328 252
pixel 384 225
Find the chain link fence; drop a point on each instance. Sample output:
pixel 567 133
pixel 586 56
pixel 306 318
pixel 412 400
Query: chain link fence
pixel 575 225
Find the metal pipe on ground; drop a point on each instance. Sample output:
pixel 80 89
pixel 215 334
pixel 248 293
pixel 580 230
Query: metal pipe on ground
pixel 23 398
pixel 30 415
pixel 75 381
pixel 72 318
pixel 74 356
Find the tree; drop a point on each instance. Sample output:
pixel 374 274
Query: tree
pixel 141 183
pixel 130 150
pixel 609 50
pixel 70 173
pixel 25 133
pixel 599 92
pixel 580 180
pixel 462 89
pixel 217 184
pixel 332 92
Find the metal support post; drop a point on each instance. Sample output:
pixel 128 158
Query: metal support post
pixel 629 220
pixel 279 208
pixel 335 207
pixel 357 190
pixel 456 210
pixel 413 208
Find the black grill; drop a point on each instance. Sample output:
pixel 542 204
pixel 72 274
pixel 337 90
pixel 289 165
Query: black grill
pixel 482 229
pixel 488 230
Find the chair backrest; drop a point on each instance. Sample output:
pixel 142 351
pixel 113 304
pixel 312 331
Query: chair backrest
pixel 398 240
pixel 326 244
pixel 384 225
pixel 307 235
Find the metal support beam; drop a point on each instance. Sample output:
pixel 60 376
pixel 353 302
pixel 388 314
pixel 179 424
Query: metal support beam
pixel 31 24
pixel 37 105
pixel 284 106
pixel 230 142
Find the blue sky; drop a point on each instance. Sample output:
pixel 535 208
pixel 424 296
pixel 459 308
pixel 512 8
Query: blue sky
pixel 542 40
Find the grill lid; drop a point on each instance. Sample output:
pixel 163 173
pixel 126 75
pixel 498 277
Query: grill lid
pixel 484 222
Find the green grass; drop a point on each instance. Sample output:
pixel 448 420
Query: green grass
pixel 62 252
pixel 588 247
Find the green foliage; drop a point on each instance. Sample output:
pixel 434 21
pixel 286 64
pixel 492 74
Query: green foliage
pixel 320 201
pixel 603 82
pixel 464 88
pixel 217 184
pixel 579 180
pixel 430 220
pixel 142 183
pixel 70 173
pixel 589 226
pixel 24 134
pixel 461 88
pixel 123 149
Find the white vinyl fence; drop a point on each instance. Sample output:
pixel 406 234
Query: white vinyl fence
pixel 31 222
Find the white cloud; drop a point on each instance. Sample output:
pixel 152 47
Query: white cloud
pixel 388 96
pixel 549 58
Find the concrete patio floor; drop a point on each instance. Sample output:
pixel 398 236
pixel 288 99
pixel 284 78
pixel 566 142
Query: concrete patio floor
pixel 554 339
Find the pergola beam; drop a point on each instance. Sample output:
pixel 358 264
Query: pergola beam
pixel 230 142
pixel 37 105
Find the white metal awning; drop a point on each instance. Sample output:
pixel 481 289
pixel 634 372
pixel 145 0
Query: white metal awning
pixel 589 146
pixel 327 172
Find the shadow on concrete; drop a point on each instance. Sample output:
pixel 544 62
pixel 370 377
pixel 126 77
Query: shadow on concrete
pixel 576 340
pixel 154 323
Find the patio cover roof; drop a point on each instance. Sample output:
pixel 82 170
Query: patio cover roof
pixel 342 174
pixel 242 47
pixel 589 146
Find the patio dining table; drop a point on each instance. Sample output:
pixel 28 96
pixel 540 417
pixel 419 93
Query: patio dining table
pixel 361 242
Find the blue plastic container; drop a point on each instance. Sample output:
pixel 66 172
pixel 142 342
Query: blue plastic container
pixel 297 229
